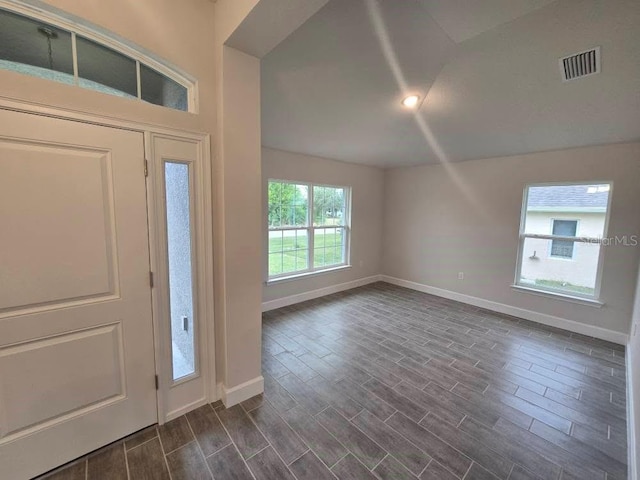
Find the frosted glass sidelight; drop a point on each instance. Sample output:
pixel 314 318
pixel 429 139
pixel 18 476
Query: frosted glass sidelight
pixel 179 234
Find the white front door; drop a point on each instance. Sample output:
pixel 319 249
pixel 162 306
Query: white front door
pixel 76 339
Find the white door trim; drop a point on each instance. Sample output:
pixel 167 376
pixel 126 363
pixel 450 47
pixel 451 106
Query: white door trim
pixel 204 253
pixel 176 397
pixel 8 103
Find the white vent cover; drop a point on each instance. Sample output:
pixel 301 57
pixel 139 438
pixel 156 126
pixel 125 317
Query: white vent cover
pixel 580 64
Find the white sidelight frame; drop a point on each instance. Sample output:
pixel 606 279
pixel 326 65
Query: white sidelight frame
pixel 310 229
pixel 176 397
pixel 582 298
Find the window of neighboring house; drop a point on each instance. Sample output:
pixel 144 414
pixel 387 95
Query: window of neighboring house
pixel 54 49
pixel 563 248
pixel 563 207
pixel 308 228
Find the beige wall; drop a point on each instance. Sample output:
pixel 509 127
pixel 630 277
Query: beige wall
pixel 366 215
pixel 242 197
pixel 441 221
pixel 237 251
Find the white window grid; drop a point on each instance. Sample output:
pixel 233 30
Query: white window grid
pixel 593 240
pixel 310 230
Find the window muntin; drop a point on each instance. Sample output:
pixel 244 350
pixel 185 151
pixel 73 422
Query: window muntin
pixel 328 249
pixel 68 53
pixel 307 227
pixel 560 238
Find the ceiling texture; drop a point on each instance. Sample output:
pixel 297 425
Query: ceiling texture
pixel 487 71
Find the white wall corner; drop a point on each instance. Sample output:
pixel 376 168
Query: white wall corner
pixel 235 395
pixel 215 392
pixel 632 432
pixel 563 323
pixel 321 292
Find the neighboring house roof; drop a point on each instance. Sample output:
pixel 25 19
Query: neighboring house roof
pixel 568 197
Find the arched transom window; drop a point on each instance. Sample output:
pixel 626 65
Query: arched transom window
pixel 49 46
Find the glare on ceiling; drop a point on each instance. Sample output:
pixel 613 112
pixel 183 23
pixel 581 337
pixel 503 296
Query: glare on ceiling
pixel 411 101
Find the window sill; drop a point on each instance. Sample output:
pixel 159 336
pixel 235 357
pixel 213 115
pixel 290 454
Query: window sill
pixel 590 302
pixel 300 276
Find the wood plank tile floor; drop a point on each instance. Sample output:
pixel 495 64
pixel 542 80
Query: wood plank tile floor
pixel 382 382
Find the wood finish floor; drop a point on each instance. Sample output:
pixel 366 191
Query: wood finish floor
pixel 382 382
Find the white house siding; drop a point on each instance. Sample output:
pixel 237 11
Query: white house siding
pixel 581 270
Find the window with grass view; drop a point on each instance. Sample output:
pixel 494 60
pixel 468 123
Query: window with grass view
pixel 308 227
pixel 561 237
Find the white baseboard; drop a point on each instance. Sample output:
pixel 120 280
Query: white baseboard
pixel 234 395
pixel 565 324
pixel 185 409
pixel 321 292
pixel 632 433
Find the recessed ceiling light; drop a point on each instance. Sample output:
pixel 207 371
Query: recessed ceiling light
pixel 411 101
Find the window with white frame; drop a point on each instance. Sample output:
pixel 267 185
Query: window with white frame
pixel 561 234
pixel 308 227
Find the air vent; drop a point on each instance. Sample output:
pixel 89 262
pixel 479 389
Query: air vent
pixel 580 64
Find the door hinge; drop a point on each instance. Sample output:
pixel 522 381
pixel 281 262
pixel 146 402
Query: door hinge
pixel 151 279
pixel 146 167
pixel 157 383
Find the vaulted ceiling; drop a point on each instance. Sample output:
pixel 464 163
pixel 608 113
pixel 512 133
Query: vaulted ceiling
pixel 487 71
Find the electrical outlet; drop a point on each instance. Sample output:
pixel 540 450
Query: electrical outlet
pixel 185 324
pixel 460 275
